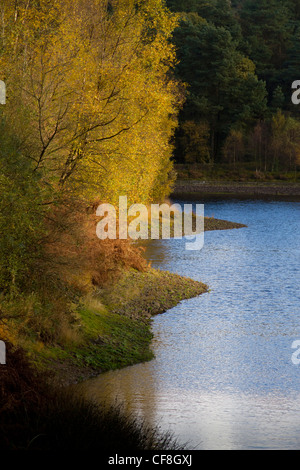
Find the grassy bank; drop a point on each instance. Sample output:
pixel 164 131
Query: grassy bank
pixel 114 325
pixel 113 330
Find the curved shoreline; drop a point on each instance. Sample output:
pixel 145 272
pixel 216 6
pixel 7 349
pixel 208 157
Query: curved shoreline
pixel 116 332
pixel 117 323
pixel 122 332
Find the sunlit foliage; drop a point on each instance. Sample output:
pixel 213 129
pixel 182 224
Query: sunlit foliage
pixel 91 95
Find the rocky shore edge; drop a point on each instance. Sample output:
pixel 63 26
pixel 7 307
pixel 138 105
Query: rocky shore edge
pixel 184 188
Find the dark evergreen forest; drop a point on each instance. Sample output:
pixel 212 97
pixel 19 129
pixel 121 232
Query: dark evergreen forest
pixel 238 60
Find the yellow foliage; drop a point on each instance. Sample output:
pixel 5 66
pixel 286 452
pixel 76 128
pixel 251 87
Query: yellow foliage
pixel 91 94
pixel 6 333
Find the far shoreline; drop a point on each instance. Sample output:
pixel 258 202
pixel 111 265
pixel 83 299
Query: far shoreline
pixel 197 189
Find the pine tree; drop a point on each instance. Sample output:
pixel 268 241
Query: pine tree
pixel 222 85
pixel 267 34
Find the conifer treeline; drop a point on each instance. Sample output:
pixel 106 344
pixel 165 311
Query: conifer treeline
pixel 239 60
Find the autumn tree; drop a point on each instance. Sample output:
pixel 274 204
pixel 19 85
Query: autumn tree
pixel 234 147
pixel 91 94
pixel 194 142
pixel 275 143
pixel 91 109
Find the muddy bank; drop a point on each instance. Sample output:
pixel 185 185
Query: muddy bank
pixel 196 188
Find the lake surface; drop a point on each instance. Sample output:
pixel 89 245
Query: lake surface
pixel 223 376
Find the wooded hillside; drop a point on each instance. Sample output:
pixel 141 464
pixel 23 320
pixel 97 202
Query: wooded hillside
pixel 239 60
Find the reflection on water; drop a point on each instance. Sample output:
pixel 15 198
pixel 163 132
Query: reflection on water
pixel 223 376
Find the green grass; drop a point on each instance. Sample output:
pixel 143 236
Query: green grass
pixel 114 325
pixel 108 341
pixel 112 340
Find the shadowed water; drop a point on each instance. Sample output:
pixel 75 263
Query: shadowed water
pixel 223 377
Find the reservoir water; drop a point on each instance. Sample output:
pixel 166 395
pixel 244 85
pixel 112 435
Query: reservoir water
pixel 223 375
